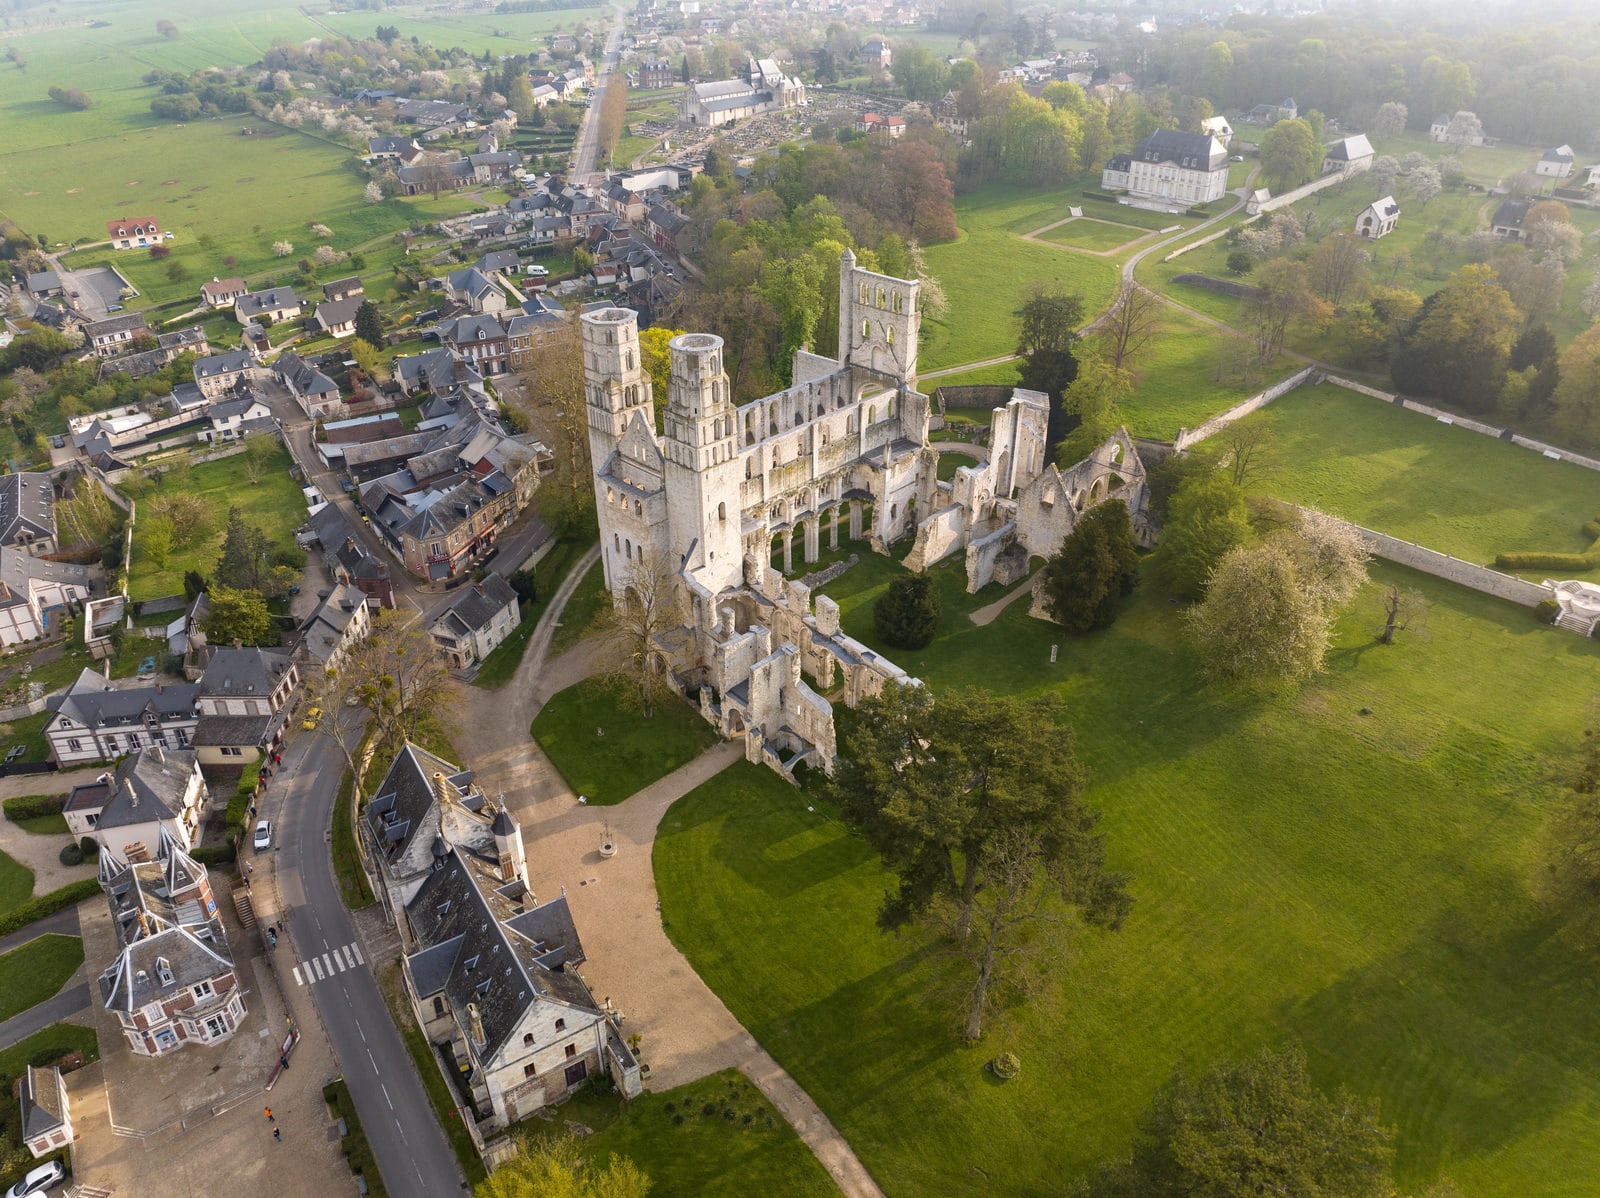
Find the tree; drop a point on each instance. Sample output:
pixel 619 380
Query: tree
pixel 1385 170
pixel 366 356
pixel 1131 324
pixel 369 323
pixel 1424 183
pixel 1256 623
pixel 194 584
pixel 1389 120
pixel 1464 129
pixel 400 677
pixel 555 1167
pixel 70 97
pixel 153 538
pixel 1095 569
pixel 907 615
pixel 1206 520
pixel 1460 342
pixel 969 797
pixel 1338 265
pixel 1403 611
pixel 1092 398
pixel 245 550
pixel 919 73
pixel 1251 1128
pixel 259 450
pixel 237 615
pixel 1241 262
pixel 644 629
pixel 1047 330
pixel 1577 393
pixel 187 512
pixel 168 30
pixel 1282 296
pixel 1290 155
pixel 1446 84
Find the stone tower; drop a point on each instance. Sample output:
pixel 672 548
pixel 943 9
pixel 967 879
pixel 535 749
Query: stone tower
pixel 878 321
pixel 702 468
pixel 615 383
pixel 512 861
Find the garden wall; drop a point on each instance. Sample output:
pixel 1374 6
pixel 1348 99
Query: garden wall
pixel 1259 400
pixel 1299 193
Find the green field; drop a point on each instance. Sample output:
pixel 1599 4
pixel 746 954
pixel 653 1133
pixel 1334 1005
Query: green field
pixel 1358 882
pixel 687 1152
pixel 274 505
pixel 988 269
pixel 16 883
pixel 1084 233
pixel 33 972
pixel 606 751
pixel 1406 474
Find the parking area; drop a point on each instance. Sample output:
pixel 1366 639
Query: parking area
pixel 98 289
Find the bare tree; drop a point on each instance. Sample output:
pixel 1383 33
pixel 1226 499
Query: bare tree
pixel 1248 451
pixel 1338 265
pixel 338 693
pixel 550 393
pixel 401 677
pixel 1403 611
pixel 1131 325
pixel 644 628
pixel 258 451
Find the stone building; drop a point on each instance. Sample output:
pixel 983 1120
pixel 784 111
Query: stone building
pixel 713 502
pixel 764 88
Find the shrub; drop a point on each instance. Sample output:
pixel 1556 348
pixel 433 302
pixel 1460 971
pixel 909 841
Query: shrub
pixel 89 847
pixel 34 806
pixel 1574 563
pixel 47 904
pixel 218 854
pixel 1006 1066
pixel 1546 611
pixel 1240 262
pixel 71 854
pixel 907 615
pixel 159 251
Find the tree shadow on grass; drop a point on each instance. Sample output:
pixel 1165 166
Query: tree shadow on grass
pixel 1472 1035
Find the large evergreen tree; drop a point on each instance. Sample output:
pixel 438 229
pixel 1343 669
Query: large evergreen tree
pixel 907 615
pixel 369 324
pixel 1096 568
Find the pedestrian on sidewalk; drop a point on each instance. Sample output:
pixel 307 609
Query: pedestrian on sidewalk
pixel 270 1119
pixel 284 1060
pixel 277 1135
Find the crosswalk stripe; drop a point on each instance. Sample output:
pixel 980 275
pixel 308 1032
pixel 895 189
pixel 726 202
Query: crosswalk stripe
pixel 317 967
pixel 350 956
pixel 328 964
pixel 338 960
pixel 297 979
pixel 356 949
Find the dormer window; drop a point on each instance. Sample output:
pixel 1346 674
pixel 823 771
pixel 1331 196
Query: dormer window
pixel 164 971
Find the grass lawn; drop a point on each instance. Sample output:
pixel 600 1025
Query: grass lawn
pixel 53 824
pixel 500 665
pixel 1004 373
pixel 632 753
pixel 1356 882
pixel 29 733
pixel 33 972
pixel 988 270
pixel 273 505
pixel 688 1152
pixel 16 883
pixel 1086 234
pixel 1406 474
pixel 952 461
pixel 581 612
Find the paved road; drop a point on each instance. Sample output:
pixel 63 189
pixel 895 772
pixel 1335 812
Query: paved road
pixel 586 149
pixel 74 996
pixel 415 1158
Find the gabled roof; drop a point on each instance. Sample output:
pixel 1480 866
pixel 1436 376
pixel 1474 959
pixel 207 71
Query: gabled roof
pixel 1190 151
pixel 232 362
pixel 1511 214
pixel 148 787
pixel 94 703
pixel 233 409
pixel 402 802
pixel 223 287
pixel 232 673
pixel 333 313
pixel 1350 149
pixel 479 604
pixel 27 505
pixel 324 632
pixel 1561 153
pixel 43 1101
pixel 267 301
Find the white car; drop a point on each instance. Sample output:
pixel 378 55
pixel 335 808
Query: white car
pixel 38 1180
pixel 263 835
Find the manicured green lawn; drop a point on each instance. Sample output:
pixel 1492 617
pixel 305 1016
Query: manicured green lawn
pixel 1086 234
pixel 274 505
pixel 687 1152
pixel 988 269
pixel 500 665
pixel 16 883
pixel 1301 870
pixel 1005 373
pixel 949 463
pixel 34 971
pixel 1408 475
pixel 578 618
pixel 606 751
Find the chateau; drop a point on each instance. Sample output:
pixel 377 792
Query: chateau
pixel 709 503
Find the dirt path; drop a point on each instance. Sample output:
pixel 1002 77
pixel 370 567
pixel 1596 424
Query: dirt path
pixel 990 612
pixel 687 1032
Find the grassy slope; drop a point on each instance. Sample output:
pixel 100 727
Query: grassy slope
pixel 701 1154
pixel 632 753
pixel 274 505
pixel 1406 474
pixel 1085 233
pixel 987 271
pixel 34 971
pixel 1357 882
pixel 16 883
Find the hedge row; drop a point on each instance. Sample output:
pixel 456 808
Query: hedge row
pixel 239 805
pixel 218 854
pixel 48 904
pixel 33 806
pixel 1568 562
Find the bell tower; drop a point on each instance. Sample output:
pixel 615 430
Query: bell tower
pixel 878 321
pixel 702 465
pixel 615 383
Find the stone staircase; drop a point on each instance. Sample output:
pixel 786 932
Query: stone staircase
pixel 246 909
pixel 1573 622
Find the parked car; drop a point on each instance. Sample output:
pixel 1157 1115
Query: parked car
pixel 313 717
pixel 113 307
pixel 263 840
pixel 38 1180
pixel 537 272
pixel 1236 158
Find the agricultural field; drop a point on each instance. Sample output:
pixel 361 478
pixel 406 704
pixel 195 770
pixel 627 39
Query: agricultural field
pixel 988 269
pixel 1406 474
pixel 480 32
pixel 1347 866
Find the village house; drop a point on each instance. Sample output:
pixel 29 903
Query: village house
pixel 28 511
pixel 173 982
pixel 44 284
pixel 243 699
pixel 1351 155
pixel 223 293
pixel 115 334
pixel 663 225
pixel 876 53
pixel 347 559
pixel 129 233
pixel 268 307
pixel 656 74
pixel 45 1113
pixel 1555 163
pixel 452 875
pixel 341 289
pixel 219 374
pixel 168 346
pixel 1218 127
pixel 35 593
pixel 99 720
pixel 480 618
pixel 1182 168
pixel 1508 219
pixel 156 795
pixel 316 393
pixel 398 148
pixel 476 290
pixel 481 340
pixel 342 619
pixel 337 318
pixel 1378 219
pixel 238 415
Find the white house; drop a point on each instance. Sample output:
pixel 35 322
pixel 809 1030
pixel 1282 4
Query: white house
pixel 1218 127
pixel 223 293
pixel 128 233
pixel 1555 163
pixel 471 627
pixel 234 417
pixel 35 593
pixel 156 795
pixel 1186 168
pixel 341 620
pixel 338 317
pixel 46 1117
pixel 1378 219
pixel 243 700
pixel 99 720
pixel 220 373
pixel 1351 155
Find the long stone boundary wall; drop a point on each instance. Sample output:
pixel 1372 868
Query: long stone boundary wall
pixel 1206 240
pixel 1299 193
pixel 1451 569
pixel 1256 402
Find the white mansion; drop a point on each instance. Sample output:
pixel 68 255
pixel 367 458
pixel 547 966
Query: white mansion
pixel 1184 168
pixel 704 507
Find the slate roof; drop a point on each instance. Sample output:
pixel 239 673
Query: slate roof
pixel 343 287
pixel 44 280
pixel 27 505
pixel 470 282
pixel 323 633
pixel 148 787
pixel 93 703
pixel 497 260
pixel 337 312
pixel 478 605
pixel 229 409
pixel 126 323
pixel 1190 151
pixel 217 365
pixel 302 377
pixel 40 1096
pixel 1511 214
pixel 193 945
pixel 400 809
pixel 1350 149
pixel 248 670
pixel 1562 153
pixel 266 301
pixel 233 731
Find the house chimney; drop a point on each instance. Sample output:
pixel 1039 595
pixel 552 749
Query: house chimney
pixel 237 643
pixel 144 924
pixel 441 789
pixel 476 1021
